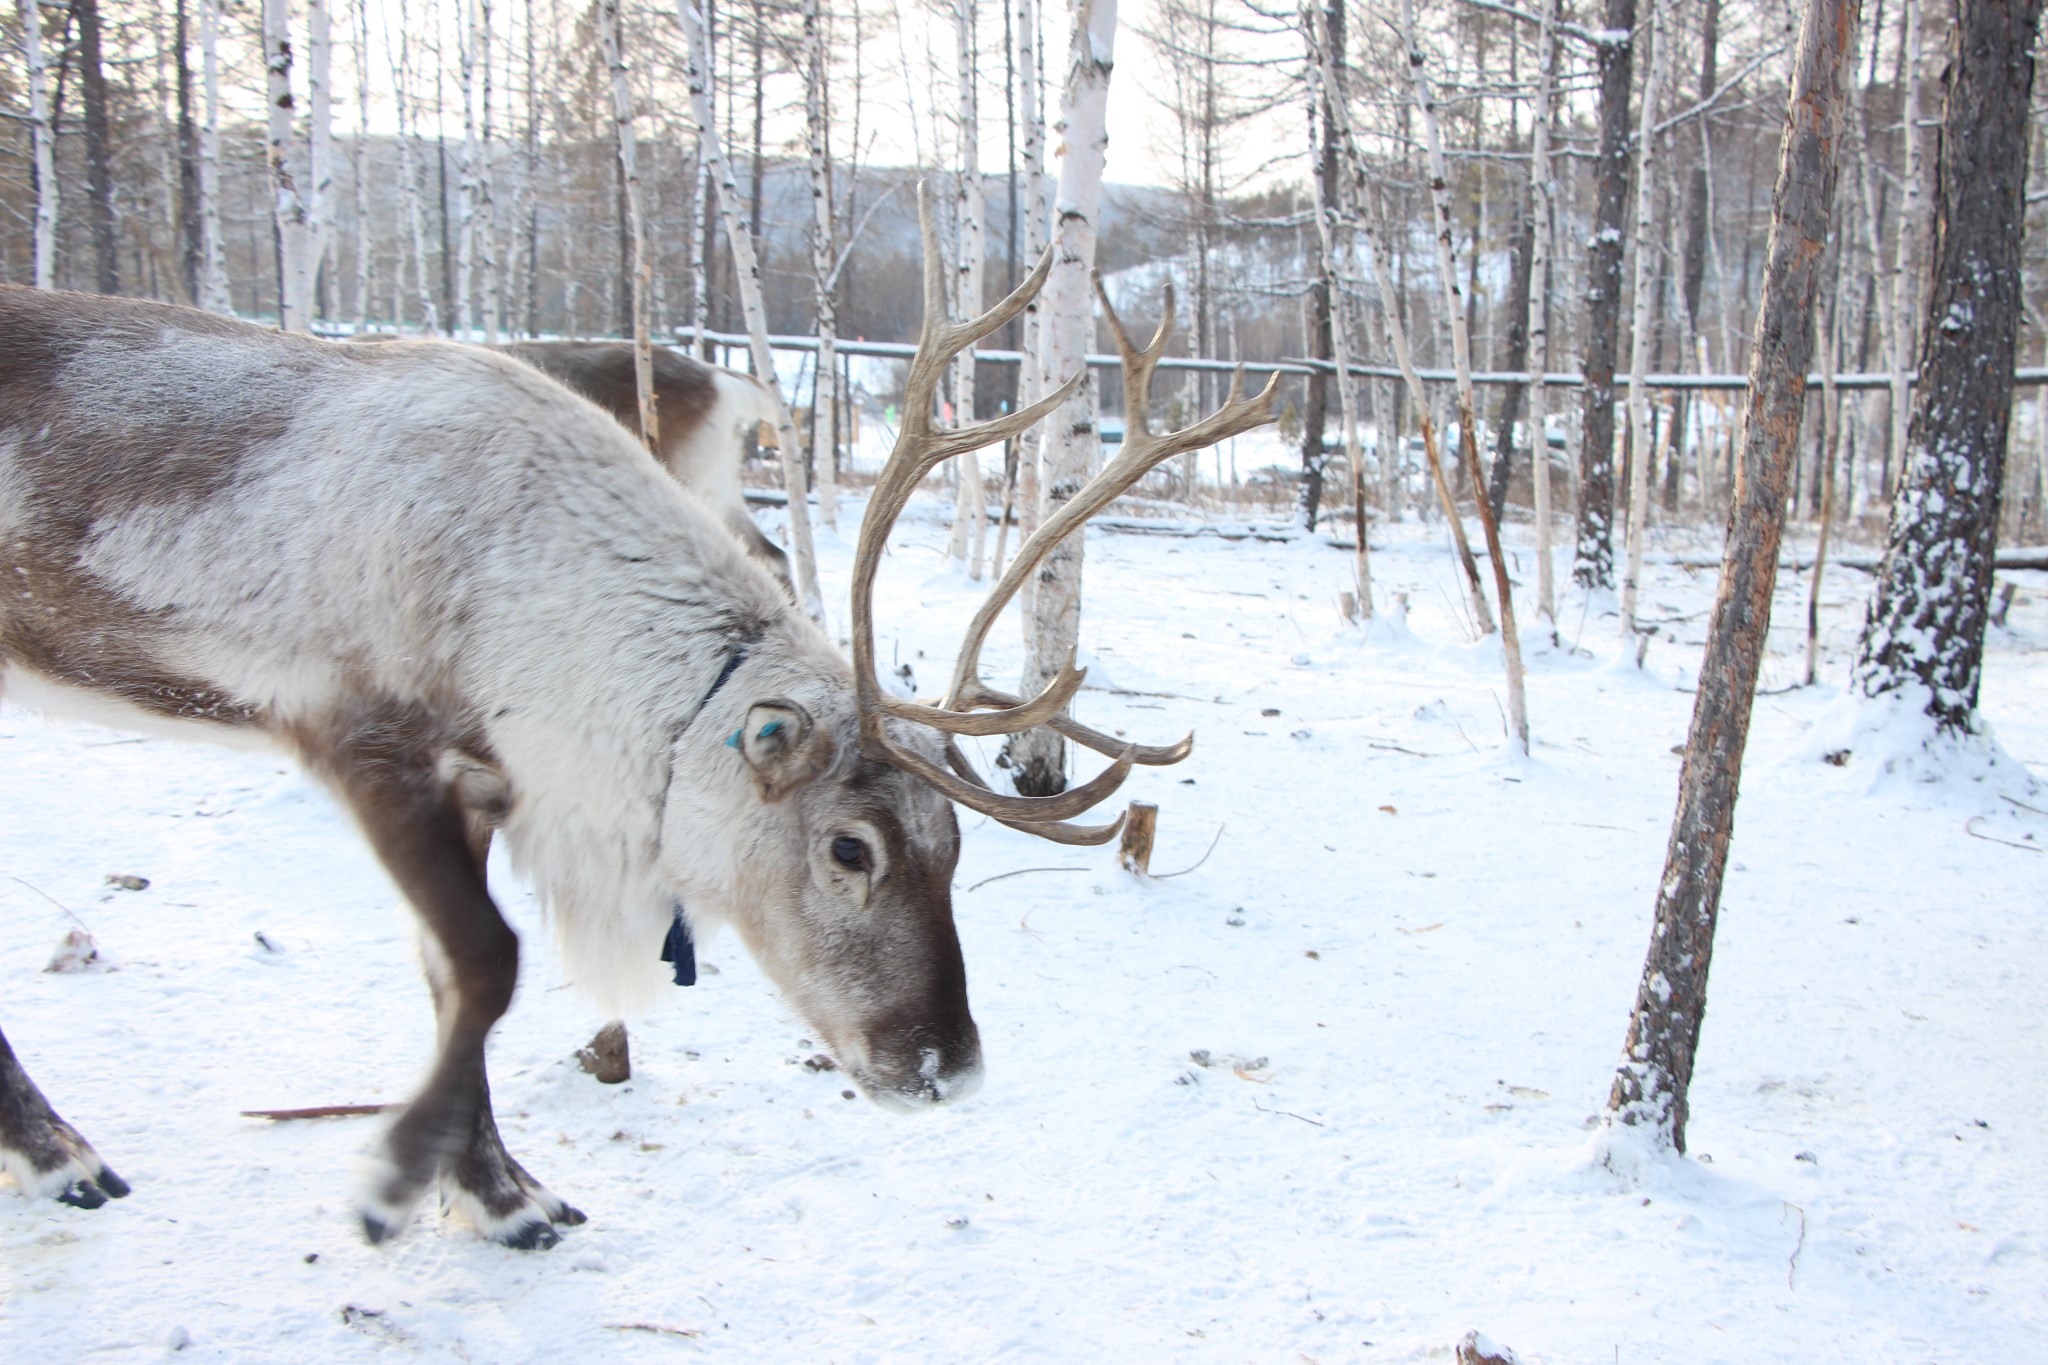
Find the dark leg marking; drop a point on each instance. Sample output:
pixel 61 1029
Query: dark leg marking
pixel 430 845
pixel 45 1154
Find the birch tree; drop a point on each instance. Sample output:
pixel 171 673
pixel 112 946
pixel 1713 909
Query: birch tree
pixel 1900 359
pixel 465 164
pixel 1652 1084
pixel 319 153
pixel 1923 640
pixel 409 174
pixel 1863 491
pixel 970 512
pixel 747 269
pixel 1640 325
pixel 44 139
pixel 288 205
pixel 1032 380
pixel 825 387
pixel 213 268
pixel 1461 359
pixel 1071 445
pixel 609 25
pixel 359 37
pixel 483 176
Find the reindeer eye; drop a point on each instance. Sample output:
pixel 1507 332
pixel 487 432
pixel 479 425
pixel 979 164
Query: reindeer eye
pixel 850 853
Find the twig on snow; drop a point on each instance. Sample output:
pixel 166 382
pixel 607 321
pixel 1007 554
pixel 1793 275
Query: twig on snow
pixel 1286 1112
pixel 1162 876
pixel 59 904
pixel 320 1111
pixel 2021 804
pixel 1969 828
pixel 1020 872
pixel 654 1327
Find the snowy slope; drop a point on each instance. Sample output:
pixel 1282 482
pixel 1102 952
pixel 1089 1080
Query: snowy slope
pixel 1408 963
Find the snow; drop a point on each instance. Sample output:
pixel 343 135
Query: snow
pixel 1329 1096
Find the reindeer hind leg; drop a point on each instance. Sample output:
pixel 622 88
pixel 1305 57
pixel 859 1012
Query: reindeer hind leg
pixel 45 1155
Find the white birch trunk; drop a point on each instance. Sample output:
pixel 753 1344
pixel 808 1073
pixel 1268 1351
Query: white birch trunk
pixel 409 179
pixel 1904 324
pixel 803 558
pixel 1037 229
pixel 1864 486
pixel 365 237
pixel 465 165
pixel 1537 329
pixel 288 205
pixel 319 151
pixel 970 510
pixel 700 285
pixel 825 386
pixel 1461 359
pixel 1639 342
pixel 609 26
pixel 1071 444
pixel 1330 220
pixel 486 209
pixel 213 269
pixel 44 138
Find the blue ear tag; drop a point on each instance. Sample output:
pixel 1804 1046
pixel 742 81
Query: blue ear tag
pixel 681 950
pixel 772 727
pixel 732 741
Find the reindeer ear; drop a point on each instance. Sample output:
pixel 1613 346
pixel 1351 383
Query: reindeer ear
pixel 783 746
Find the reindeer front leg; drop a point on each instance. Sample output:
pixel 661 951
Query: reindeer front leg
pixel 416 820
pixel 43 1153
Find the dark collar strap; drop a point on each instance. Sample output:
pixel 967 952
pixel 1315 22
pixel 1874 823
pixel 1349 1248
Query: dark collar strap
pixel 732 666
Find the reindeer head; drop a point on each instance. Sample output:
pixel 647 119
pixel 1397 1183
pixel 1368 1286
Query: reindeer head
pixel 838 860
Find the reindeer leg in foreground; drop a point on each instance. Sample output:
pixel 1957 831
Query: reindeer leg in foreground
pixel 416 822
pixel 43 1153
pixel 483 1181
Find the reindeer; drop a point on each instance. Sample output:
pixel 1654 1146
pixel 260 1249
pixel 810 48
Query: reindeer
pixel 708 413
pixel 469 603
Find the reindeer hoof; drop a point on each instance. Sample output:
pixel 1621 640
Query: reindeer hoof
pixel 375 1229
pixel 568 1216
pixel 535 1236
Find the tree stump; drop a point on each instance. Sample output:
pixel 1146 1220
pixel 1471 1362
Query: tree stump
pixel 1134 854
pixel 606 1056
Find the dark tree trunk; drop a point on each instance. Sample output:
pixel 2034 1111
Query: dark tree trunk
pixel 1315 414
pixel 1517 359
pixel 1925 629
pixel 99 153
pixel 1651 1085
pixel 1593 561
pixel 188 163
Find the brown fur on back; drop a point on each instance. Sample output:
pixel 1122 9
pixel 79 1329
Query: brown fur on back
pixel 602 371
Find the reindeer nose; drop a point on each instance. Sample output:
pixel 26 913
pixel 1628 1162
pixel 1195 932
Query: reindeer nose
pixel 929 1076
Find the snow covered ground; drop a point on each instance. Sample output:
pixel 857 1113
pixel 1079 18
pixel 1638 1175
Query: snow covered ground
pixel 1325 1098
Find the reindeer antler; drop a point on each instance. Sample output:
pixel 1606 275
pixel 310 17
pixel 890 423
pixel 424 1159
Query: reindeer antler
pixel 972 707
